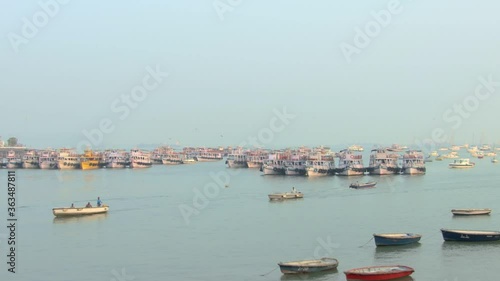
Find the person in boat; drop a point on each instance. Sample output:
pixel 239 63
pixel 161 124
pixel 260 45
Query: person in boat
pixel 72 205
pixel 88 205
pixel 99 202
pixel 294 190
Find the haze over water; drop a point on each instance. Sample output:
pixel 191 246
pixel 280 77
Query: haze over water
pixel 240 235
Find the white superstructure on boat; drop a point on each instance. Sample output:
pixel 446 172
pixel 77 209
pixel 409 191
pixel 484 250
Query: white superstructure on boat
pixel 140 159
pixel 48 160
pixel 68 159
pixel 350 164
pixel 237 159
pixel 30 160
pixel 324 165
pixel 382 162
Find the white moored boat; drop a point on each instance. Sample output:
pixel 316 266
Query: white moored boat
pixel 140 159
pixel 350 164
pixel 48 160
pixel 413 163
pixel 462 163
pixel 322 166
pixel 382 162
pixel 79 211
pixel 30 160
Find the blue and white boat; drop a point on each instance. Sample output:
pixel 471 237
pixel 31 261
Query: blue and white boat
pixel 308 266
pixel 470 235
pixel 396 239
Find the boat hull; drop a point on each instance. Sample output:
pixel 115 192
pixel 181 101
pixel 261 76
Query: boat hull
pixel 90 165
pixel 351 172
pixel 414 171
pixel 236 164
pixel 295 172
pixel 379 273
pixel 312 266
pixel 470 212
pixel 48 165
pixel 270 170
pixel 470 236
pixel 252 164
pixel 72 212
pixel 378 277
pixel 140 165
pixel 396 240
pixel 285 196
pixel 30 165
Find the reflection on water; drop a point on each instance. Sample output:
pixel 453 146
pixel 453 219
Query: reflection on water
pixel 318 276
pixel 385 252
pixel 449 247
pixel 295 200
pixel 80 219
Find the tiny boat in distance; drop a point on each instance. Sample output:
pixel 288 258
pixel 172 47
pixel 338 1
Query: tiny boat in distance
pixel 386 272
pixel 494 160
pixel 470 212
pixel 79 211
pixel 308 266
pixel 462 163
pixel 286 195
pixel 396 239
pixel 470 235
pixel 363 185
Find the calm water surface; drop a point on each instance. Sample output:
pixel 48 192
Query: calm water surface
pixel 239 234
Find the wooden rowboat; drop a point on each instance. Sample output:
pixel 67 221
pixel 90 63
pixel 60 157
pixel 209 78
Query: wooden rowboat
pixel 386 272
pixel 363 185
pixel 396 239
pixel 79 211
pixel 470 235
pixel 308 266
pixel 470 212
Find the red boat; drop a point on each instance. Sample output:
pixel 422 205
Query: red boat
pixel 385 272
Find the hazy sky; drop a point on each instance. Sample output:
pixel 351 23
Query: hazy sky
pixel 230 69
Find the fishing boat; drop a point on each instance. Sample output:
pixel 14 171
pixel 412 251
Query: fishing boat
pixel 237 159
pixel 385 272
pixel 308 266
pixel 462 163
pixel 79 211
pixel 470 212
pixel 470 235
pixel 294 194
pixel 363 185
pixel 494 160
pixel 396 239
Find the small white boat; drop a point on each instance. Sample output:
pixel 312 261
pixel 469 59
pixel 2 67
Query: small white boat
pixel 494 160
pixel 286 195
pixel 470 212
pixel 462 163
pixel 79 211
